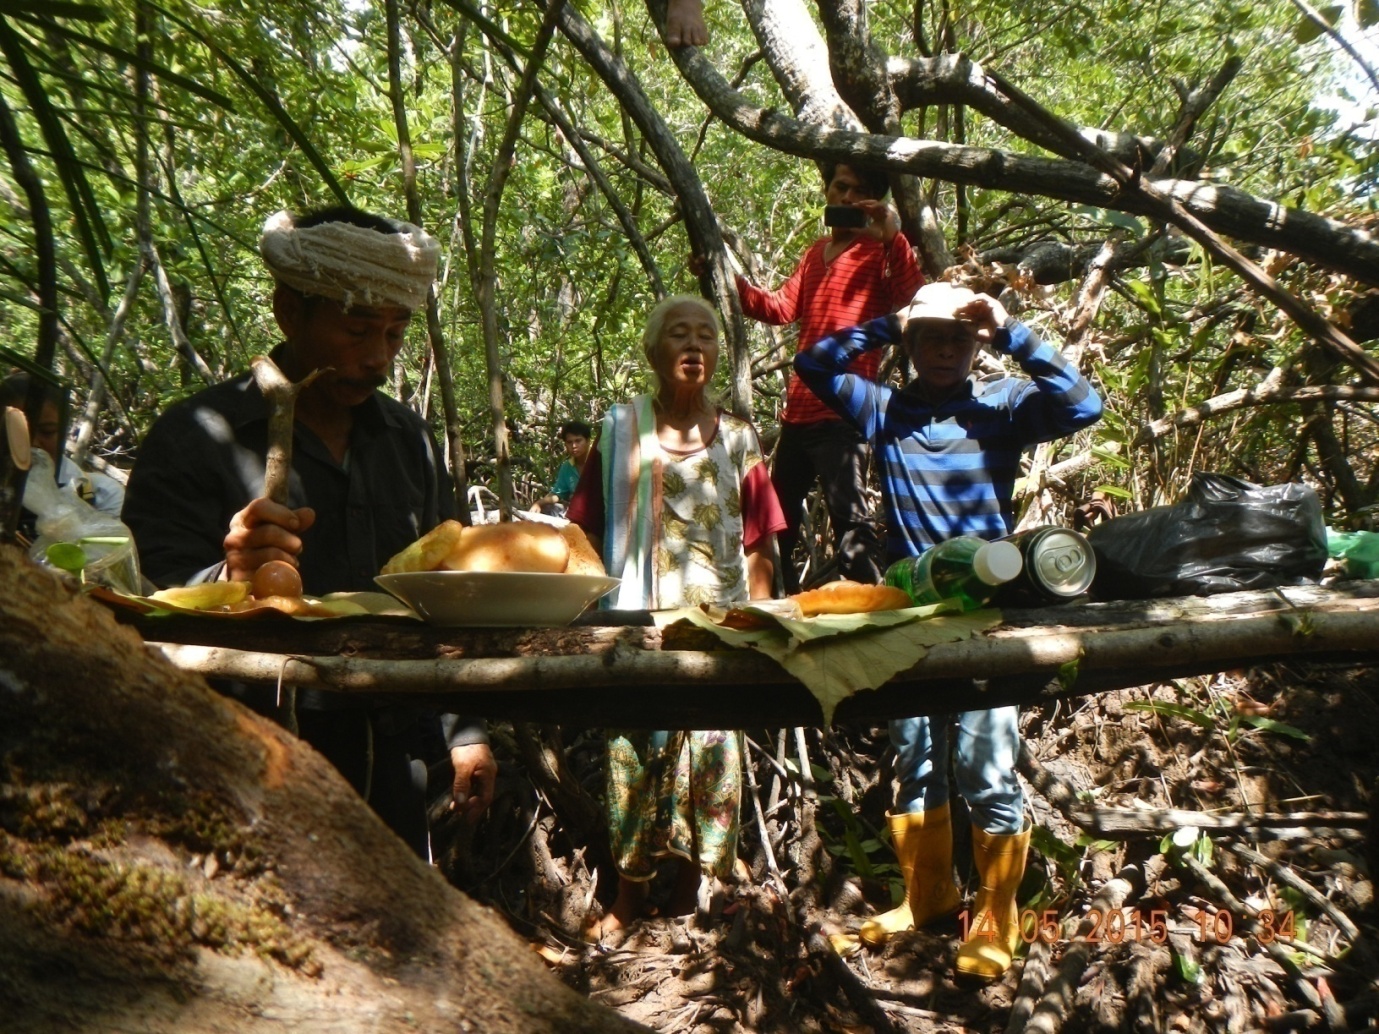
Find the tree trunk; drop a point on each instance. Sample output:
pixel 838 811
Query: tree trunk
pixel 171 861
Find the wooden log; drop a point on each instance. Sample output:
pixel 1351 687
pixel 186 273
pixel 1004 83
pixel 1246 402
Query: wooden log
pixel 1015 665
pixel 1126 823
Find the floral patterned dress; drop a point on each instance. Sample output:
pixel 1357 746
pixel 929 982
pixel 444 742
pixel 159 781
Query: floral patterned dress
pixel 675 792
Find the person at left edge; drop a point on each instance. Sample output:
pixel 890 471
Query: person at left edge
pixel 100 490
pixel 366 481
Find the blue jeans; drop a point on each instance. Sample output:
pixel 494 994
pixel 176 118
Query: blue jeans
pixel 988 742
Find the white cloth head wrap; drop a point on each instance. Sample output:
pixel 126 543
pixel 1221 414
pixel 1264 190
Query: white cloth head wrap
pixel 352 264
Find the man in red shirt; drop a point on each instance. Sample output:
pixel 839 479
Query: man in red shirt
pixel 844 280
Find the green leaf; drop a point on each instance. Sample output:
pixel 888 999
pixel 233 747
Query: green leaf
pixel 66 556
pixel 1112 459
pixel 1366 13
pixel 1269 725
pixel 1190 714
pixel 1067 673
pixel 1204 851
pixel 1187 966
pixel 1048 845
pixel 860 861
pixel 354 166
pixel 1085 841
pixel 835 655
pixel 1144 294
pixel 1124 221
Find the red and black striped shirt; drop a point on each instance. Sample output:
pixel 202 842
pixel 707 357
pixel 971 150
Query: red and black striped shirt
pixel 869 279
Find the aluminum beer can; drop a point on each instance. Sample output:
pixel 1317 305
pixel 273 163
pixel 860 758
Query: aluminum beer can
pixel 1059 563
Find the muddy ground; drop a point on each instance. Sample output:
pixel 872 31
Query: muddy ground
pixel 1260 930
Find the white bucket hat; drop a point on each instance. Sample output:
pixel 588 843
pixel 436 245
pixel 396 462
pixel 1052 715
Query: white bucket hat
pixel 938 301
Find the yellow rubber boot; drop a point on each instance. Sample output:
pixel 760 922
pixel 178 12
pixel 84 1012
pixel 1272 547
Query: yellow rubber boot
pixel 924 844
pixel 994 933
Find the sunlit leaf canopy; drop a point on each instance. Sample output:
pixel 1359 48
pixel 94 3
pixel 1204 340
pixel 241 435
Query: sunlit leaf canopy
pixel 162 136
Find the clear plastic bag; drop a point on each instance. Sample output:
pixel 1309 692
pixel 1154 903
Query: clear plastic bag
pixel 1225 535
pixel 67 524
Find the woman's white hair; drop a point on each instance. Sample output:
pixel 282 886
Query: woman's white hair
pixel 656 325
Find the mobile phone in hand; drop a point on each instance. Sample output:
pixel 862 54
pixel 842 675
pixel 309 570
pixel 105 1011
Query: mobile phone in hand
pixel 844 216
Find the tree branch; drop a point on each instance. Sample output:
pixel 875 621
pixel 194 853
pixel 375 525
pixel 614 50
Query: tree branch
pixel 700 223
pixel 1259 395
pixel 1325 242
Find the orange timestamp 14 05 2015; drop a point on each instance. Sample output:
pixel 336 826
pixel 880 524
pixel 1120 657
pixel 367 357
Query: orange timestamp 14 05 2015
pixel 1118 925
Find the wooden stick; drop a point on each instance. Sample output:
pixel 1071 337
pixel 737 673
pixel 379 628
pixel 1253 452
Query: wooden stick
pixel 281 395
pixel 1126 823
pixel 1242 641
pixel 1285 875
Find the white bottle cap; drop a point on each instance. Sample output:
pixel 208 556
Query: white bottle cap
pixel 996 563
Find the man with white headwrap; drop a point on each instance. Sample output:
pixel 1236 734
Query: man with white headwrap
pixel 366 481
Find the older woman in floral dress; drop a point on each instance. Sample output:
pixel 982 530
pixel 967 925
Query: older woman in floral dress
pixel 678 495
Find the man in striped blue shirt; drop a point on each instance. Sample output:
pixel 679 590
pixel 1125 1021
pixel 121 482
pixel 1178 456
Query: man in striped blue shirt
pixel 949 448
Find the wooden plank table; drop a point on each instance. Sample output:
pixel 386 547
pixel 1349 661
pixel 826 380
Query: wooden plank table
pixel 596 674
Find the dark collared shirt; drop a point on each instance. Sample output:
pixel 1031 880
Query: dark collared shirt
pixel 203 462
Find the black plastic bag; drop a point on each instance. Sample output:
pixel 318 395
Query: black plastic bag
pixel 1225 535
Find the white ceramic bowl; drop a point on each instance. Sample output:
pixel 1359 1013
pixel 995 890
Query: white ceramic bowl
pixel 496 598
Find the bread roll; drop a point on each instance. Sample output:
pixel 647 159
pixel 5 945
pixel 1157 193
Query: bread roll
pixel 509 547
pixel 845 597
pixel 584 559
pixel 428 552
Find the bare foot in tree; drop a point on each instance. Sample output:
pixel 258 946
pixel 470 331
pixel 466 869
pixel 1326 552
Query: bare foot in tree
pixel 628 907
pixel 685 25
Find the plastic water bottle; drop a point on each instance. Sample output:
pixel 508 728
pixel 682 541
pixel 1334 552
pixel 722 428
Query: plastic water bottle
pixel 966 569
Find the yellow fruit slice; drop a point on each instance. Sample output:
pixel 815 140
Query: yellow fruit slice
pixel 206 596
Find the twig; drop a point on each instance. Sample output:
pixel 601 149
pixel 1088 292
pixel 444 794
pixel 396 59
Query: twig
pixel 281 396
pixel 1050 787
pixel 1283 874
pixel 1126 824
pixel 764 834
pixel 806 773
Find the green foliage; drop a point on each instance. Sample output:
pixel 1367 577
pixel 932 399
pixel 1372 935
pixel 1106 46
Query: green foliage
pixel 286 105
